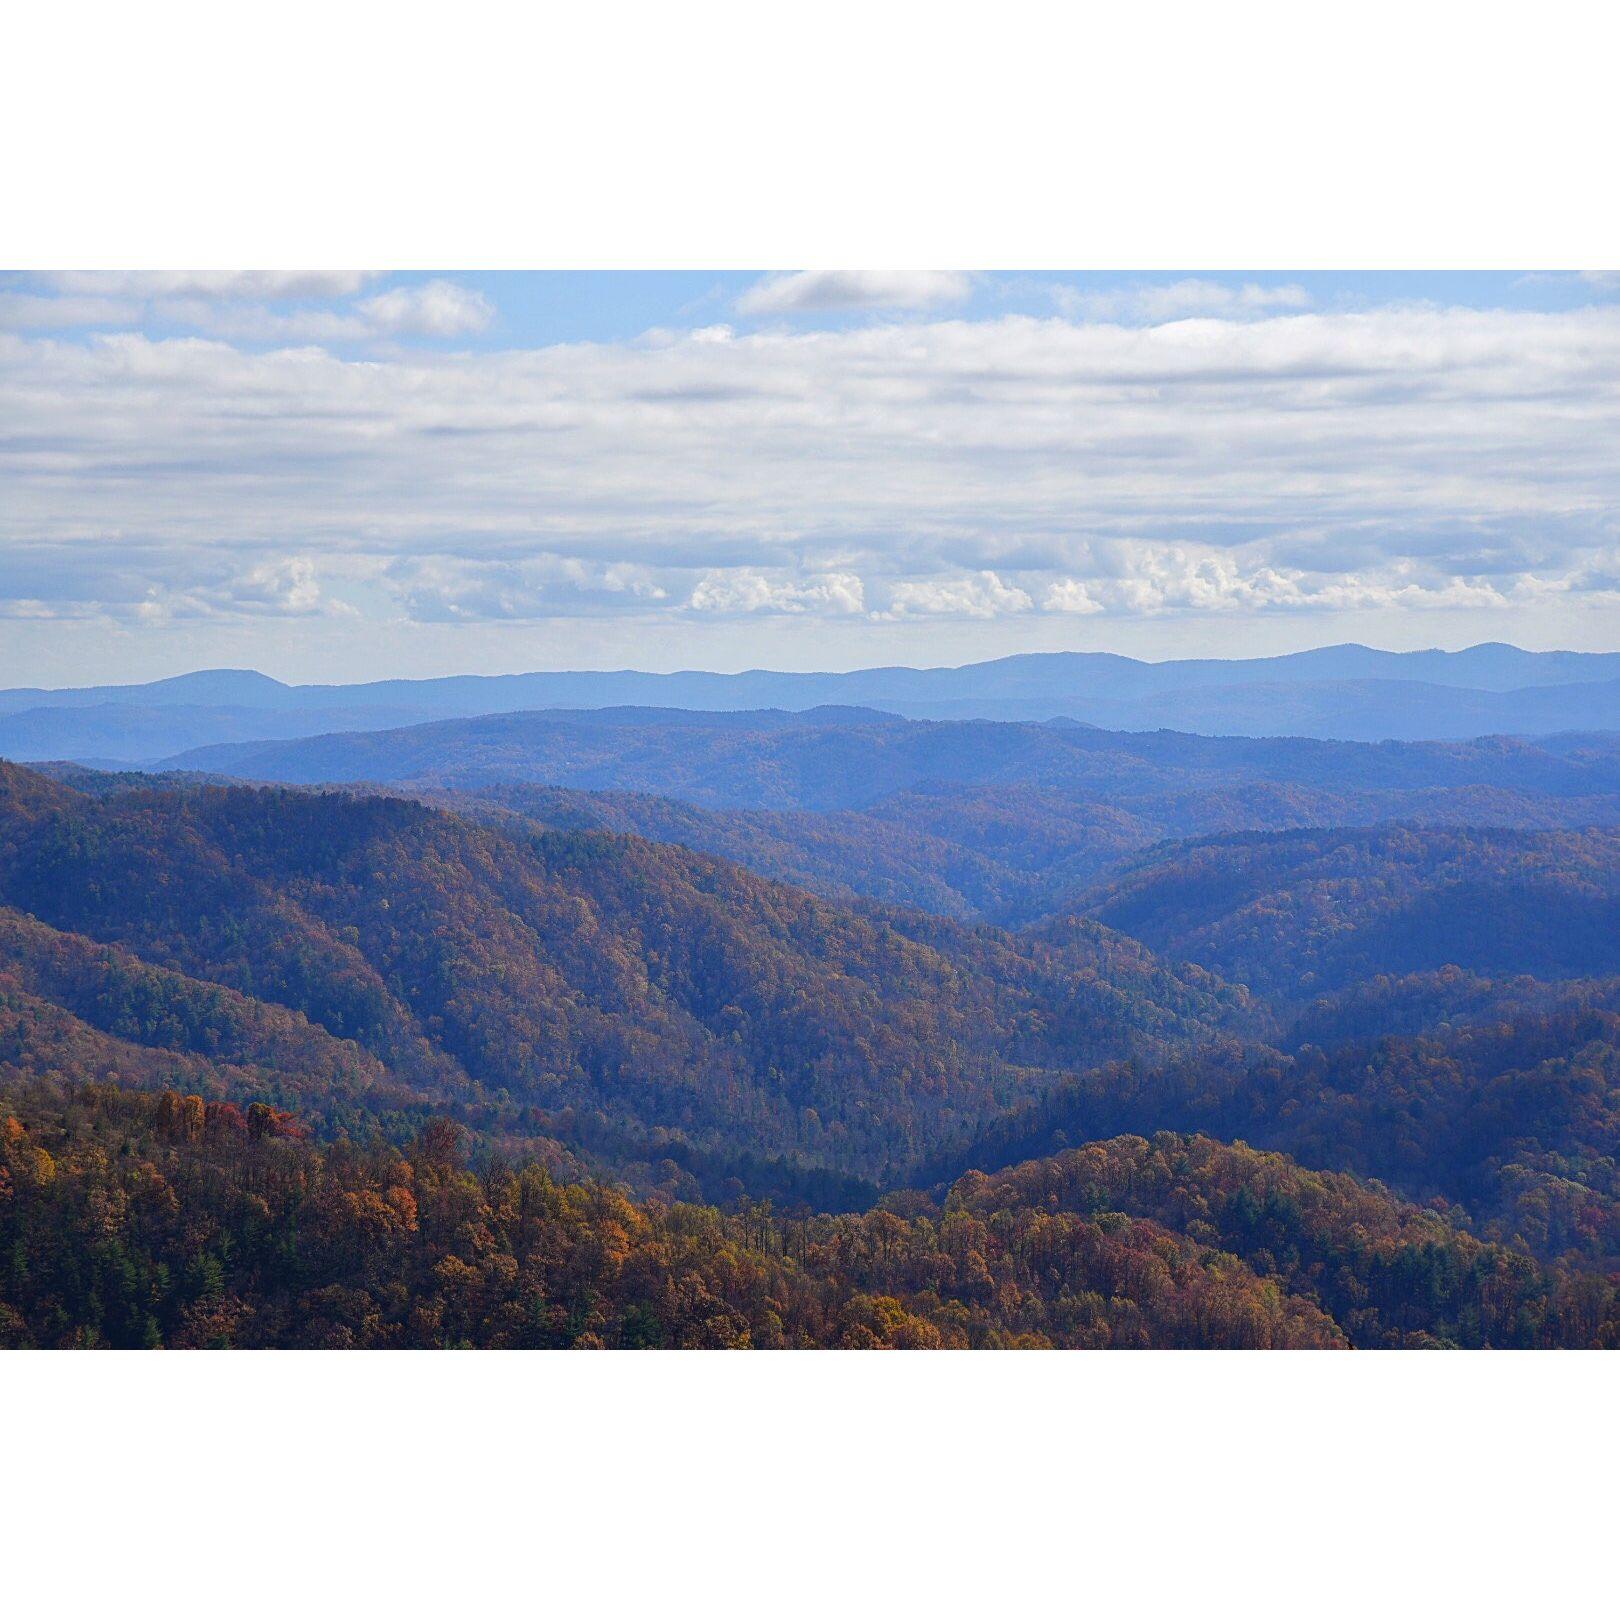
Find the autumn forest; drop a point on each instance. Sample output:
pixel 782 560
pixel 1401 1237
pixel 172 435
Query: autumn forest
pixel 677 1029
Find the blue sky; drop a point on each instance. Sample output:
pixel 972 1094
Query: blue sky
pixel 537 309
pixel 572 307
pixel 334 475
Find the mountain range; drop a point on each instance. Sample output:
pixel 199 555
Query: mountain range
pixel 634 1026
pixel 1347 692
pixel 316 1066
pixel 997 820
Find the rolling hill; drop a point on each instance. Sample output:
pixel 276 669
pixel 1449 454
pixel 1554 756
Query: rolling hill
pixel 1308 912
pixel 974 819
pixel 614 993
pixel 1346 692
pixel 840 760
pixel 302 1043
pixel 149 1223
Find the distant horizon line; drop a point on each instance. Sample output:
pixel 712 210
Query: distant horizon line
pixel 854 669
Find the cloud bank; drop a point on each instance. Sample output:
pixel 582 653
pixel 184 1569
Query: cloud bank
pixel 1241 456
pixel 811 290
pixel 256 306
pixel 1153 303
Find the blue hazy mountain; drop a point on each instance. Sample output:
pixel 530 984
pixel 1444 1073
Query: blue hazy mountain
pixel 129 733
pixel 246 688
pixel 839 758
pixel 1347 692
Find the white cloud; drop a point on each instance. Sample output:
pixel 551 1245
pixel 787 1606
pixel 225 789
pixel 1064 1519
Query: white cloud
pixel 451 590
pixel 252 307
pixel 1404 457
pixel 809 290
pixel 747 590
pixel 287 587
pixel 1178 300
pixel 433 309
pixel 1070 596
pixel 31 607
pixel 1148 579
pixel 276 588
pixel 224 284
pixel 977 596
pixel 21 311
pixel 259 323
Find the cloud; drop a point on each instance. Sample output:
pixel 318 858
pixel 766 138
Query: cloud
pixel 1148 579
pixel 252 307
pixel 433 309
pixel 259 323
pixel 32 607
pixel 814 290
pixel 746 590
pixel 980 596
pixel 1070 596
pixel 22 311
pixel 276 588
pixel 279 587
pixel 1396 458
pixel 270 285
pixel 453 590
pixel 1177 300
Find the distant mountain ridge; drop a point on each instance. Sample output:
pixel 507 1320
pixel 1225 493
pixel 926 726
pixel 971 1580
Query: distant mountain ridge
pixel 1489 666
pixel 1348 692
pixel 826 759
pixel 970 819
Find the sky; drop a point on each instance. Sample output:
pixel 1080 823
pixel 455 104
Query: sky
pixel 348 475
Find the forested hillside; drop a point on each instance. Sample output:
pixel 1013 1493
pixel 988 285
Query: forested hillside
pixel 1308 912
pixel 828 759
pixel 1514 1120
pixel 854 1032
pixel 1008 854
pixel 1000 822
pixel 71 1006
pixel 142 1220
pixel 582 984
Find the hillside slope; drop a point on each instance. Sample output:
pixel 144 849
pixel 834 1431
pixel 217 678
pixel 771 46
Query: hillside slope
pixel 1012 853
pixel 1003 822
pixel 147 1222
pixel 1514 1120
pixel 588 983
pixel 843 759
pixel 1308 912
